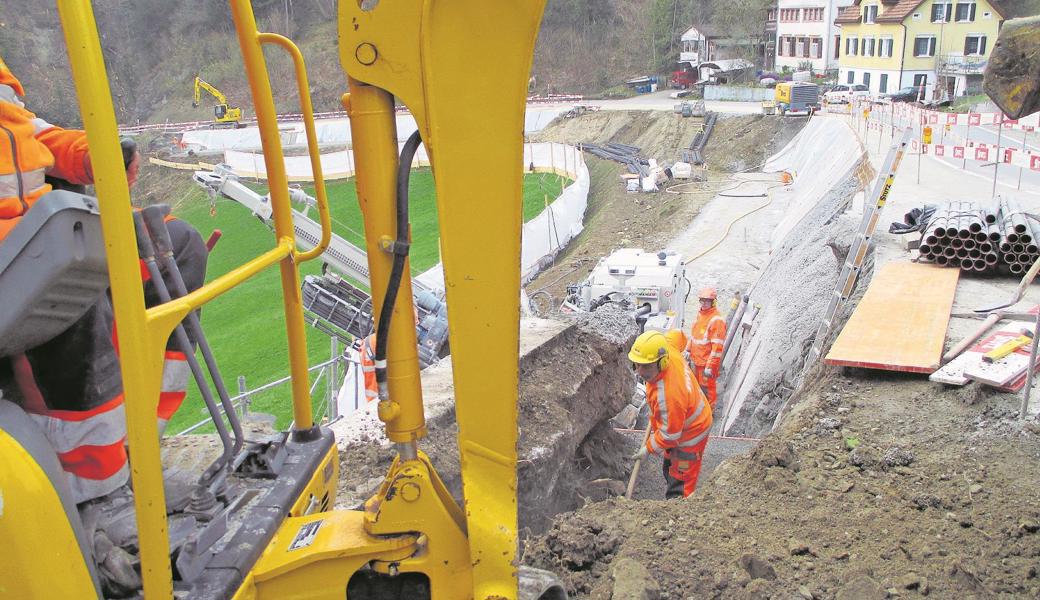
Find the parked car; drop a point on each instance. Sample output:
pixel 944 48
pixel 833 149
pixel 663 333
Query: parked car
pixel 845 93
pixel 907 94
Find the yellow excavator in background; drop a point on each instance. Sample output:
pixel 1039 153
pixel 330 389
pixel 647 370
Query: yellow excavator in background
pixel 222 112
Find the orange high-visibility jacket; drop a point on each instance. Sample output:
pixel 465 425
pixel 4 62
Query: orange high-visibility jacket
pixel 29 149
pixel 679 412
pixel 368 367
pixel 707 335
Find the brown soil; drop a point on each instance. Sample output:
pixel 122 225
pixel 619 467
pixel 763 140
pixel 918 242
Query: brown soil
pixel 569 387
pixel 875 486
pixel 616 218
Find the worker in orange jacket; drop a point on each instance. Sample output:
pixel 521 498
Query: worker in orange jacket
pixel 707 336
pixel 71 385
pixel 680 416
pixel 368 367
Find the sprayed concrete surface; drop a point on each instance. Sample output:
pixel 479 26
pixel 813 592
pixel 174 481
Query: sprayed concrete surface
pixel 574 376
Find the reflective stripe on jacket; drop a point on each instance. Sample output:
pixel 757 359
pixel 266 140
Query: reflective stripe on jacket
pixel 679 413
pixel 368 367
pixel 31 148
pixel 707 336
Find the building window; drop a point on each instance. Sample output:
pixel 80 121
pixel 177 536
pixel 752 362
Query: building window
pixel 815 48
pixel 883 83
pixel 941 12
pixel 868 47
pixel 813 14
pixel 870 14
pixel 965 11
pixel 975 45
pixel 852 76
pixel 924 45
pixel 790 15
pixel 866 79
pixel 837 47
pixel 851 46
pixel 771 15
pixel 920 81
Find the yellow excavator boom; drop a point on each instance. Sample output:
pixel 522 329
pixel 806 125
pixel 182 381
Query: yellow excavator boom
pixel 222 113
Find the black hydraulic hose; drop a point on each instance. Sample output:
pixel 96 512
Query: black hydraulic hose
pixel 399 247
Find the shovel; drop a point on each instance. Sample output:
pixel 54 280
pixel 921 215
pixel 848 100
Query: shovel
pixel 1027 279
pixel 635 468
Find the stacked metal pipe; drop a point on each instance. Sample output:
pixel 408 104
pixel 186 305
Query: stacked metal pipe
pixel 965 235
pixel 1019 237
pixel 960 236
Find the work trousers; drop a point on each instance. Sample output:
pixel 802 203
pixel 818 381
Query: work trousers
pixel 72 385
pixel 708 385
pixel 681 469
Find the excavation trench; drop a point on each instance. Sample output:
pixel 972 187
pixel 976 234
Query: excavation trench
pixel 574 376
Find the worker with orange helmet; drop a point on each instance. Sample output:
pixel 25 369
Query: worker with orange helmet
pixel 707 336
pixel 680 416
pixel 368 362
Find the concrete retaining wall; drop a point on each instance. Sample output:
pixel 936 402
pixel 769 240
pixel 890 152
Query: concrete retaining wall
pixel 735 93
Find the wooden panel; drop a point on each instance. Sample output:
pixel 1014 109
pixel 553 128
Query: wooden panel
pixel 900 324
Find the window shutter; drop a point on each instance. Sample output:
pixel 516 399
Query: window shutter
pixel 982 45
pixel 972 16
pixel 967 46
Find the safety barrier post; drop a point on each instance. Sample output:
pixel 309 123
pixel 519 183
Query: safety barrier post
pixel 967 143
pixel 1025 133
pixel 996 163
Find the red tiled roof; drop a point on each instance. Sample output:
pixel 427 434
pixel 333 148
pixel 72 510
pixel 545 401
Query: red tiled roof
pixel 849 14
pixel 898 11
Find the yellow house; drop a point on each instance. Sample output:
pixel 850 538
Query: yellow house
pixel 938 46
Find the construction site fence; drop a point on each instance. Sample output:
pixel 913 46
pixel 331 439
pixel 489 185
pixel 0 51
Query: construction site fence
pixel 948 135
pixel 333 372
pixel 168 127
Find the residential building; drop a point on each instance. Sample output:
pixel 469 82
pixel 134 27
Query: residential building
pixel 940 46
pixel 806 33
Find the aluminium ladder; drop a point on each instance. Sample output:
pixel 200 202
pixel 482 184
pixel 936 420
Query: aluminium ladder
pixel 858 250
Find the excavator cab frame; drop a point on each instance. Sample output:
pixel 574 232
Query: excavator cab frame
pixel 434 56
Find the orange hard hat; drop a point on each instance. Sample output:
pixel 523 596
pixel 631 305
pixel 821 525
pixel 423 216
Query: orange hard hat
pixel 676 339
pixel 708 292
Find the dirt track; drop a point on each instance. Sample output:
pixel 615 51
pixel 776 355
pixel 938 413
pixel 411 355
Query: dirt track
pixel 876 486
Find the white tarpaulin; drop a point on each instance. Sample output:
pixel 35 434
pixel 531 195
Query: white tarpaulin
pixel 328 131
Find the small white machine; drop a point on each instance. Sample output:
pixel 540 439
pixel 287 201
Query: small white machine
pixel 652 285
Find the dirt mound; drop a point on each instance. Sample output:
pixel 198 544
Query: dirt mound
pixel 569 386
pixel 616 218
pixel 873 486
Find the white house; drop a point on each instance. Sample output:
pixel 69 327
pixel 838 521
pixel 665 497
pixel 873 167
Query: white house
pixel 805 31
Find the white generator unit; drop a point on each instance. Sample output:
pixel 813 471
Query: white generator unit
pixel 652 285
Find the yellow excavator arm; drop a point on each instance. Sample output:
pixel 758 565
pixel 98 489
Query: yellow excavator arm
pixel 222 113
pixel 461 67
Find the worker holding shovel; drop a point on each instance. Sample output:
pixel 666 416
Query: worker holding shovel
pixel 680 416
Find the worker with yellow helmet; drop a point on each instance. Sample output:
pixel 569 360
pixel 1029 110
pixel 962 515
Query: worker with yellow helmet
pixel 680 416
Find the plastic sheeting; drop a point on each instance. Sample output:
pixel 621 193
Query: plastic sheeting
pixel 334 165
pixel 548 233
pixel 329 131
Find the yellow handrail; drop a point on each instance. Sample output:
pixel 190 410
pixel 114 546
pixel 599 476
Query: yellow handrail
pixel 249 41
pixel 142 332
pixel 312 141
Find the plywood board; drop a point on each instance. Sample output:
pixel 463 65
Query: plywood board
pixel 954 372
pixel 900 324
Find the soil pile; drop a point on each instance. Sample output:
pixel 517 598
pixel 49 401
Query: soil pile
pixel 874 486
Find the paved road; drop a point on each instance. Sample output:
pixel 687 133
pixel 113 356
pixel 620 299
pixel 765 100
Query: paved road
pixel 661 101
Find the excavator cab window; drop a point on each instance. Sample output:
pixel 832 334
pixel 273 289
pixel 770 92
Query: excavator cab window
pixel 220 110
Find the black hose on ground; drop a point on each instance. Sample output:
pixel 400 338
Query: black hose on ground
pixel 399 247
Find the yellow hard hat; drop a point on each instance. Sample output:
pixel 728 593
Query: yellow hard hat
pixel 676 339
pixel 649 347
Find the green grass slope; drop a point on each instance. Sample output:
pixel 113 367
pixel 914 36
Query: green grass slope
pixel 246 327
